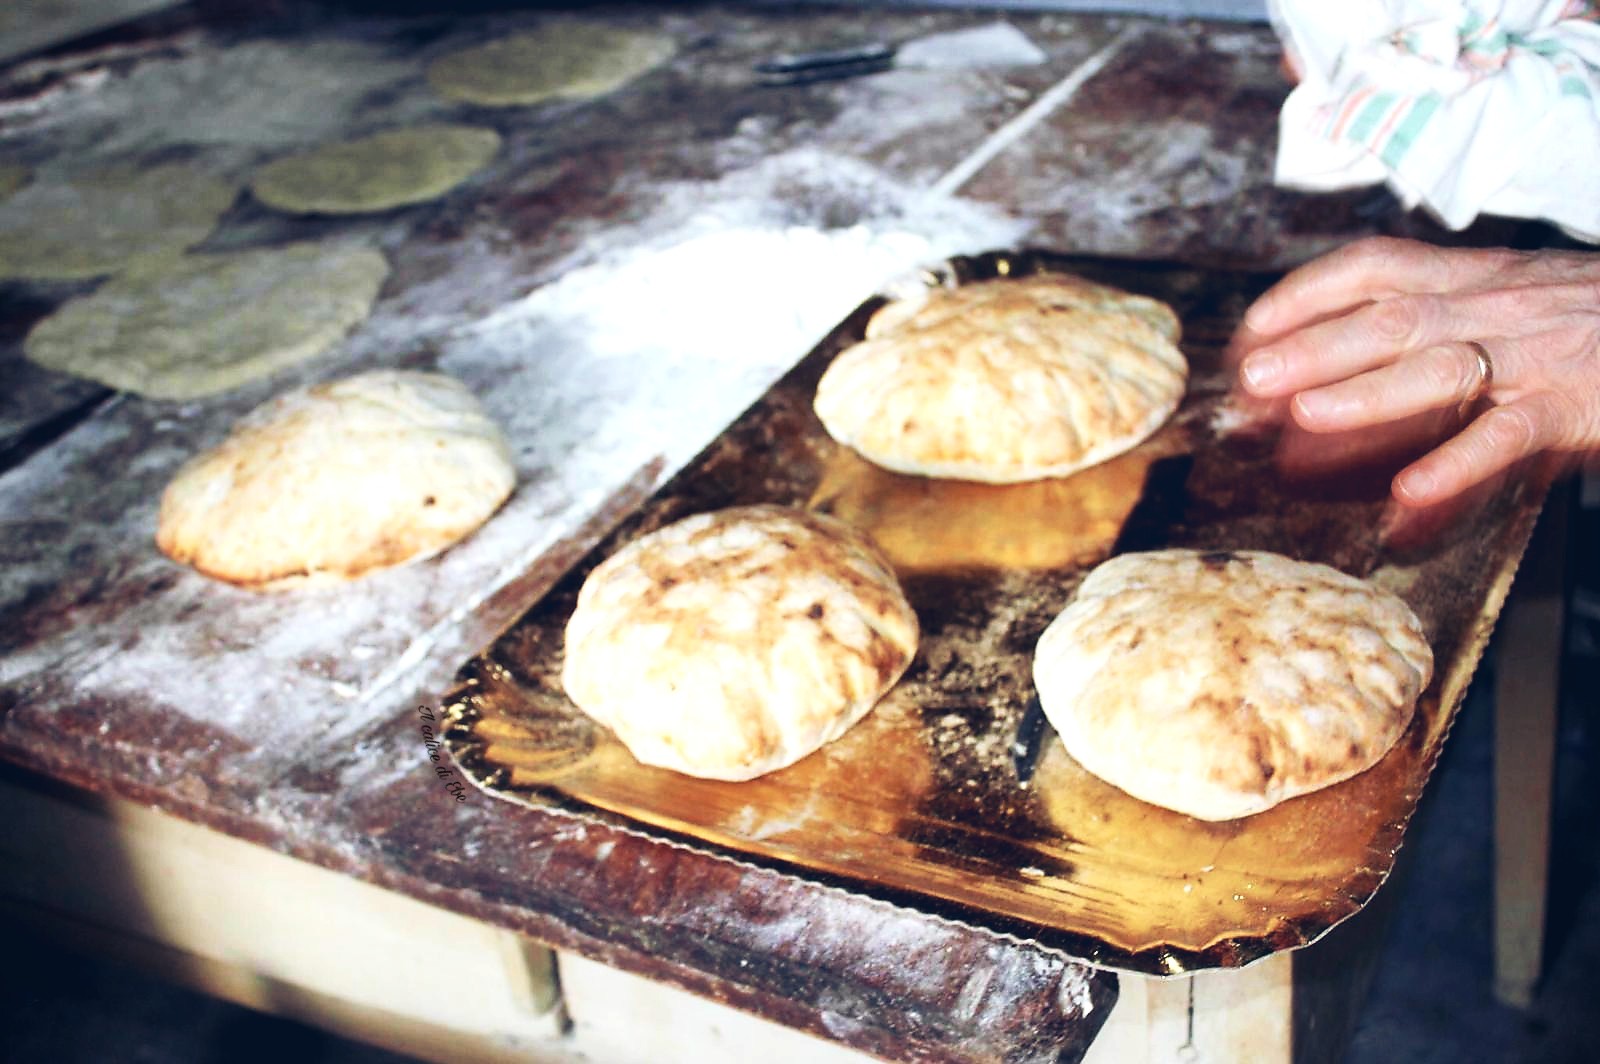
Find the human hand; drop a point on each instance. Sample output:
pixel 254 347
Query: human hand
pixel 1385 330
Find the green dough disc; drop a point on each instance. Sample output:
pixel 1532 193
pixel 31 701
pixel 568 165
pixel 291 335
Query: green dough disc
pixel 389 169
pixel 196 325
pixel 98 223
pixel 560 60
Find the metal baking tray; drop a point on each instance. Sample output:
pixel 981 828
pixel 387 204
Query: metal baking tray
pixel 938 800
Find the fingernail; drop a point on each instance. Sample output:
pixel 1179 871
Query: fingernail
pixel 1259 371
pixel 1256 315
pixel 1415 485
pixel 1312 407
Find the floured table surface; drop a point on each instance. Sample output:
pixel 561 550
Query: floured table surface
pixel 625 278
pixel 936 798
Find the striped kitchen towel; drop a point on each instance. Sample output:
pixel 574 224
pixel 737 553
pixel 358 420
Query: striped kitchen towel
pixel 1462 106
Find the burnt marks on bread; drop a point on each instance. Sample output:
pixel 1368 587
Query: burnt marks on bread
pixel 736 641
pixel 1262 677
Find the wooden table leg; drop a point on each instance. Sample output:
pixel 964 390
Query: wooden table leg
pixel 243 923
pixel 1230 1015
pixel 1527 690
pixel 1300 1006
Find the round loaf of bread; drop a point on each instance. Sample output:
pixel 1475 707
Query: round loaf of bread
pixel 736 642
pixel 1006 380
pixel 326 483
pixel 1219 684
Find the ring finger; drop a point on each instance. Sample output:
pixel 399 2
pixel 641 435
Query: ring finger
pixel 1443 376
pixel 1370 336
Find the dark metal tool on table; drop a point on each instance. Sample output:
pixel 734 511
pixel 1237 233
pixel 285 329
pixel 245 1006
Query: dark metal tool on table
pixel 994 45
pixel 799 68
pixel 1031 732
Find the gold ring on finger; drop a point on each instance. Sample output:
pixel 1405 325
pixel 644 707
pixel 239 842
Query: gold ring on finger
pixel 1485 378
pixel 1485 371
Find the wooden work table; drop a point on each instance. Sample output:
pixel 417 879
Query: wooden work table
pixel 240 791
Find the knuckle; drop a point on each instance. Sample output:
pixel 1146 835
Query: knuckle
pixel 1446 375
pixel 1510 260
pixel 1383 247
pixel 1493 266
pixel 1508 428
pixel 1589 294
pixel 1565 414
pixel 1364 255
pixel 1397 320
pixel 1584 432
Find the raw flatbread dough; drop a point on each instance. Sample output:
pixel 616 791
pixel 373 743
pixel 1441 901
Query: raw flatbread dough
pixel 733 643
pixel 99 223
pixel 388 169
pixel 565 59
pixel 201 324
pixel 1219 684
pixel 326 483
pixel 1006 381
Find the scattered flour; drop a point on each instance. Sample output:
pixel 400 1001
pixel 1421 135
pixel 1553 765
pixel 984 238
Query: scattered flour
pixel 1172 165
pixel 756 824
pixel 1176 168
pixel 666 331
pixel 651 339
pixel 994 44
pixel 1075 993
pixel 256 95
pixel 1259 43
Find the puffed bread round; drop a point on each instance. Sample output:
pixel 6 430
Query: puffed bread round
pixel 736 642
pixel 326 483
pixel 1219 684
pixel 1007 380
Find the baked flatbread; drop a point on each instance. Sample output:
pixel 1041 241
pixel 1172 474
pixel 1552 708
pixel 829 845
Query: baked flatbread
pixel 324 484
pixel 570 60
pixel 736 642
pixel 1007 380
pixel 98 223
pixel 198 324
pixel 389 169
pixel 1219 684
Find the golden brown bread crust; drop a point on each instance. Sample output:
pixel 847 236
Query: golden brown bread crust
pixel 736 642
pixel 1007 380
pixel 327 483
pixel 1219 684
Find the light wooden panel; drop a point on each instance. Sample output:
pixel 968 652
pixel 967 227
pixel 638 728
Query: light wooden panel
pixel 621 1018
pixel 244 923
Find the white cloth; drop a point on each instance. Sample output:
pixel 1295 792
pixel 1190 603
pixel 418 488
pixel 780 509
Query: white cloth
pixel 1463 106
